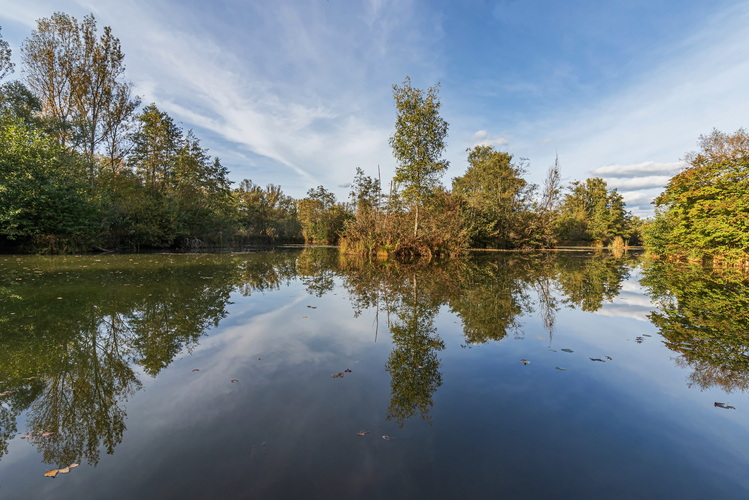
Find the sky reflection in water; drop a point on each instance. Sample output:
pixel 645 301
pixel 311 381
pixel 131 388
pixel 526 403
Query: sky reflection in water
pixel 132 368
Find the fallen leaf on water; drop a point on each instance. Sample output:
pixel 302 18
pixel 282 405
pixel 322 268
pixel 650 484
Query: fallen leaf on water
pixel 337 375
pixel 196 369
pixel 64 470
pixel 51 473
pixel 31 378
pixel 362 433
pixel 72 466
pixel 560 368
pixel 59 298
pixel 525 361
pixel 347 370
pixel 386 437
pixel 597 359
pixel 312 307
pixel 723 405
pixel 305 316
pixel 27 436
pixel 234 381
pixel 45 434
pixel 6 393
pixel 609 358
pixel 567 350
pixel 646 335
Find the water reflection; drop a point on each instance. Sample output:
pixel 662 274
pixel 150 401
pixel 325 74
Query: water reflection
pixel 73 339
pixel 703 316
pixel 78 335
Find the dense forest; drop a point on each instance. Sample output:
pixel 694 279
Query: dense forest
pixel 85 166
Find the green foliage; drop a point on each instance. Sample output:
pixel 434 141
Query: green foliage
pixel 44 201
pixel 418 141
pixel 6 66
pixel 321 218
pixel 704 211
pixel 266 214
pixel 592 213
pixel 16 100
pixel 496 197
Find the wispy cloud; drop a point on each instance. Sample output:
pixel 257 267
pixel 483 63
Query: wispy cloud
pixel 637 169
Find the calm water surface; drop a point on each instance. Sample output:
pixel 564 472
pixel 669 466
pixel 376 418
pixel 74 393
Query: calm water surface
pixel 298 374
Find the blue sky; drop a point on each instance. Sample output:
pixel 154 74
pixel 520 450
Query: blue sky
pixel 299 93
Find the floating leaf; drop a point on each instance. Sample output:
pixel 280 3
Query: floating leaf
pixel 305 316
pixel 337 375
pixel 567 350
pixel 196 369
pixel 45 434
pixel 560 368
pixel 72 466
pixel 362 433
pixel 312 307
pixel 259 359
pixel 386 437
pixel 64 470
pixel 609 358
pixel 646 335
pixel 234 381
pixel 723 405
pixel 597 359
pixel 51 473
pixel 27 436
pixel 6 393
pixel 31 378
pixel 525 361
pixel 347 370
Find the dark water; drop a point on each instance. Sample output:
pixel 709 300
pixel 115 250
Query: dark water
pixel 250 375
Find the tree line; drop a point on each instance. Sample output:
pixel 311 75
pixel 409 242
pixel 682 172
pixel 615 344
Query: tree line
pixel 85 165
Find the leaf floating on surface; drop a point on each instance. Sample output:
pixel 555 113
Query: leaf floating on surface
pixel 6 393
pixel 337 375
pixel 73 466
pixel 567 350
pixel 362 433
pixel 64 470
pixel 196 369
pixel 386 437
pixel 723 405
pixel 347 370
pixel 312 307
pixel 525 361
pixel 560 368
pixel 234 381
pixel 51 473
pixel 609 358
pixel 597 359
pixel 45 434
pixel 27 436
pixel 31 378
pixel 305 316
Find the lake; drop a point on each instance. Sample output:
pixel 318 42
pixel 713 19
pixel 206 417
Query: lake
pixel 303 374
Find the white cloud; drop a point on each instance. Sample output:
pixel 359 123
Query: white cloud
pixel 637 169
pixel 482 138
pixel 651 181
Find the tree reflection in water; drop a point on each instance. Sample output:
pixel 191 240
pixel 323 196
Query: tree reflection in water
pixel 72 362
pixel 490 294
pixel 704 316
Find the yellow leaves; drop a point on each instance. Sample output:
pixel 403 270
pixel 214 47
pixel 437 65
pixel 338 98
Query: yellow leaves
pixel 63 470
